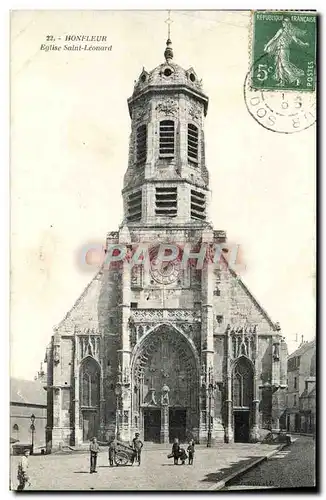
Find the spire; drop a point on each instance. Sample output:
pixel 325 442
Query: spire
pixel 168 53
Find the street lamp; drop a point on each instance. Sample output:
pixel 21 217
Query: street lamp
pixel 32 428
pixel 210 389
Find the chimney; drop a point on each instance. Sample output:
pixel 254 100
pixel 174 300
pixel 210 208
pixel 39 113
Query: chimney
pixel 302 341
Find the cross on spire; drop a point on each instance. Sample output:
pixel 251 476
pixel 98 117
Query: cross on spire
pixel 168 54
pixel 169 21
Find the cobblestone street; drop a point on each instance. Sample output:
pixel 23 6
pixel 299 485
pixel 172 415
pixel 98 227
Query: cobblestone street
pixel 293 467
pixel 157 472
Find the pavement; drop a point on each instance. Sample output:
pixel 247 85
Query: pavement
pixel 292 467
pixel 212 469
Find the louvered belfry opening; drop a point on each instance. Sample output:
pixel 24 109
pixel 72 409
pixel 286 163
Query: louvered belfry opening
pixel 134 206
pixel 167 139
pixel 192 142
pixel 198 205
pixel 166 201
pixel 141 144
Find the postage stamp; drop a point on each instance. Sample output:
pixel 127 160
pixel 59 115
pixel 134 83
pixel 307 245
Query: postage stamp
pixel 284 51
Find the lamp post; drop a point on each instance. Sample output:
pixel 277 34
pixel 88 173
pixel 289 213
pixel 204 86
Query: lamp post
pixel 32 427
pixel 210 389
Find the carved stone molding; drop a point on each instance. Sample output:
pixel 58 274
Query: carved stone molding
pixel 171 315
pixel 243 341
pixel 147 315
pixel 195 112
pixel 140 112
pixel 87 331
pixel 89 346
pixel 168 107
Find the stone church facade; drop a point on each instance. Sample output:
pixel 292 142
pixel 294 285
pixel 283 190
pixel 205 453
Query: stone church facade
pixel 168 350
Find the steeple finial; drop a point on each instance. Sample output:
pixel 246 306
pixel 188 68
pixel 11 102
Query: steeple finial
pixel 168 53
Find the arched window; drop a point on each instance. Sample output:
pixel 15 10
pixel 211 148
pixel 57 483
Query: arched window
pixel 192 142
pixel 242 386
pixel 90 383
pixel 141 144
pixel 167 139
pixel 15 429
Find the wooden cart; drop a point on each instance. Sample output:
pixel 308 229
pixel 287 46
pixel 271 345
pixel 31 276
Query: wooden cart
pixel 124 454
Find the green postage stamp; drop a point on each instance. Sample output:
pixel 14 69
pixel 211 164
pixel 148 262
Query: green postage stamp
pixel 284 51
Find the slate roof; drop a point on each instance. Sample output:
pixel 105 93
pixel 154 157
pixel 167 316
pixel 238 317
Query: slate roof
pixel 302 349
pixel 27 391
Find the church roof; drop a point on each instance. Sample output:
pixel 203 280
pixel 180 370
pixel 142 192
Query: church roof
pixel 27 391
pixel 169 75
pixel 260 308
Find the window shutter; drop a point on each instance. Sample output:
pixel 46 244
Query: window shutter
pixel 167 138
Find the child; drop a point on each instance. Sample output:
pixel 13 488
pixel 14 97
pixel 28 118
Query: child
pixel 22 474
pixel 191 451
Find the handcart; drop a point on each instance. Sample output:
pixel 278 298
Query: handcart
pixel 124 454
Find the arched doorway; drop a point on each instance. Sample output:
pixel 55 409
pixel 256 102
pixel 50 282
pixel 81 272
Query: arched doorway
pixel 165 393
pixel 242 397
pixel 89 397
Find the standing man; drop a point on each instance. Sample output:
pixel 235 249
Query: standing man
pixel 137 445
pixel 22 473
pixel 94 449
pixel 112 450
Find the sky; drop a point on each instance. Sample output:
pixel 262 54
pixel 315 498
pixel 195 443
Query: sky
pixel 69 149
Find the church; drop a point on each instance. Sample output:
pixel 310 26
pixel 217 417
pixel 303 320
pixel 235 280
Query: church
pixel 166 349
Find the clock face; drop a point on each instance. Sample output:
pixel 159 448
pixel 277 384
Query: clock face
pixel 165 272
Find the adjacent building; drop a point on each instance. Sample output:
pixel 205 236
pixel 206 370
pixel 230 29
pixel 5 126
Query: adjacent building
pixel 28 399
pixel 166 349
pixel 301 393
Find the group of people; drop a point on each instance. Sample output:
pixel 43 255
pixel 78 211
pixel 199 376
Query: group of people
pixel 179 453
pixel 94 448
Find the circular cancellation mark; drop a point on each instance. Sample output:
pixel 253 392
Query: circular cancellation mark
pixel 286 112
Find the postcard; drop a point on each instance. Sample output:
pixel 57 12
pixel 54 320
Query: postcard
pixel 163 232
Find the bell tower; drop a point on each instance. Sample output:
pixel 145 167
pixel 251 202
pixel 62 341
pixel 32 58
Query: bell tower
pixel 178 348
pixel 166 183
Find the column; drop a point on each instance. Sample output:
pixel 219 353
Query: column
pixel 78 430
pixel 228 430
pixel 207 288
pixel 276 382
pixel 102 433
pixel 254 430
pixel 165 424
pixel 218 430
pixel 124 352
pixel 254 434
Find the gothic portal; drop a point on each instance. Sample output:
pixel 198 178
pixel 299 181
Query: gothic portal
pixel 165 349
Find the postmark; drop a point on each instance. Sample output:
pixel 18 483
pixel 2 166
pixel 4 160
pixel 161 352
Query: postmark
pixel 288 42
pixel 284 111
